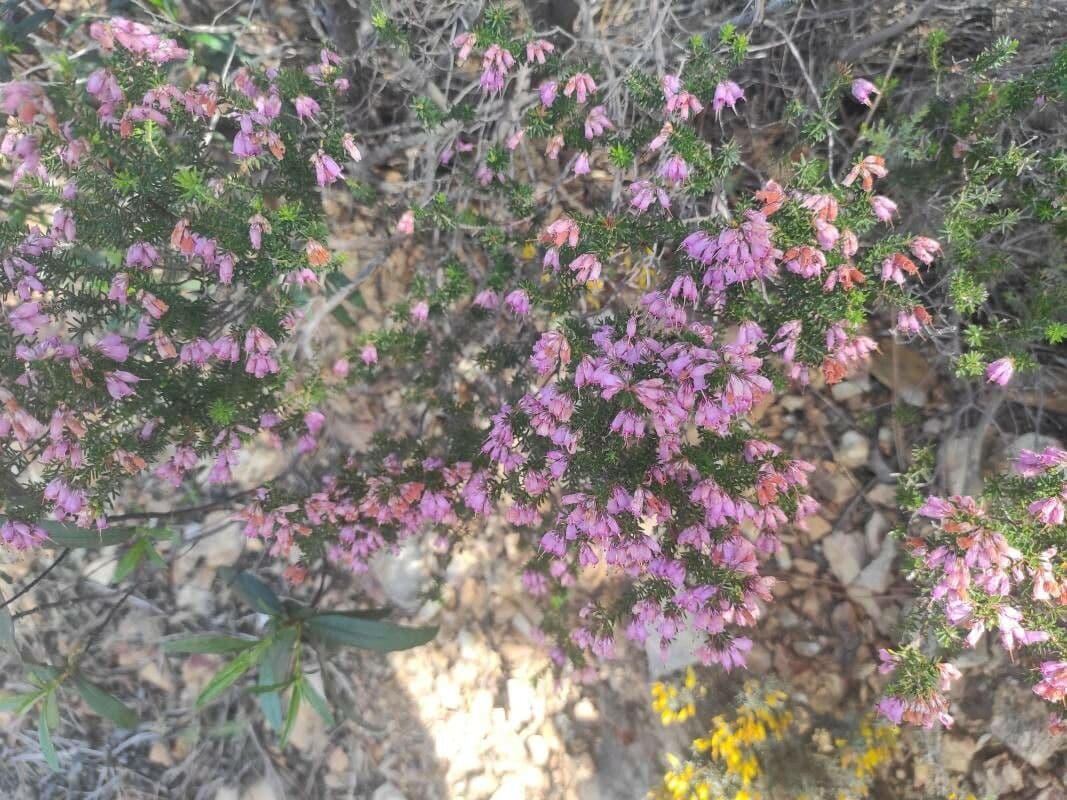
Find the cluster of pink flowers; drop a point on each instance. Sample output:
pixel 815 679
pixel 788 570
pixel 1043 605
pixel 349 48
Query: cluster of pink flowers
pixel 45 330
pixel 926 709
pixel 1002 572
pixel 136 38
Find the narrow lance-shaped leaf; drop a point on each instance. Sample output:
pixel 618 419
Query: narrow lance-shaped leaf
pixel 19 703
pixel 252 591
pixel 318 702
pixel 106 705
pixel 130 560
pixel 369 634
pixel 44 736
pixel 291 713
pixel 69 536
pixel 208 643
pixel 226 676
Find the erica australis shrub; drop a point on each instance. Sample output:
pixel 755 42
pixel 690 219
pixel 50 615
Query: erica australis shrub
pixel 149 313
pixel 622 435
pixel 605 295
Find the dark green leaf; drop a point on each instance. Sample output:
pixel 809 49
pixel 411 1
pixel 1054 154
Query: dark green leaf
pixel 129 561
pixel 368 634
pixel 48 750
pixel 154 556
pixel 106 705
pixel 364 613
pixel 208 643
pixel 32 23
pixel 252 591
pixel 69 536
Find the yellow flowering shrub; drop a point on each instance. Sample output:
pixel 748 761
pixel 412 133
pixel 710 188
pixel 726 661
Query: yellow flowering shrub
pixel 756 750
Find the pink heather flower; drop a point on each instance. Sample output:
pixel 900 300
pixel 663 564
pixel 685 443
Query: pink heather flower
pixel 537 50
pixel 596 122
pixel 862 89
pixel 661 138
pixel 349 145
pixel 550 349
pixel 155 307
pixel 515 138
pixel 519 302
pixel 340 368
pixel 581 164
pixel 883 207
pixel 894 267
pixel 138 39
pixel 326 169
pixel 675 169
pixel 257 226
pixel 867 169
pixel 1000 371
pixel 911 322
pixel 826 234
pixel 924 249
pixel 580 86
pixel 405 226
pixel 555 144
pixel 119 288
pixel 1048 511
pixel 679 102
pixel 22 535
pixel 141 254
pixel 644 193
pixel 369 354
pixel 314 420
pixel 1029 463
pixel 1053 684
pixel 27 319
pixel 548 91
pixel 498 58
pixel 120 383
pixel 564 231
pixel 487 299
pixel 536 583
pixel 306 107
pixel 1012 633
pixel 936 508
pixel 226 349
pixel 628 425
pixel 113 347
pixel 197 352
pixel 64 228
pixel 465 42
pixel 420 312
pixel 258 359
pixel 586 267
pixel 729 94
